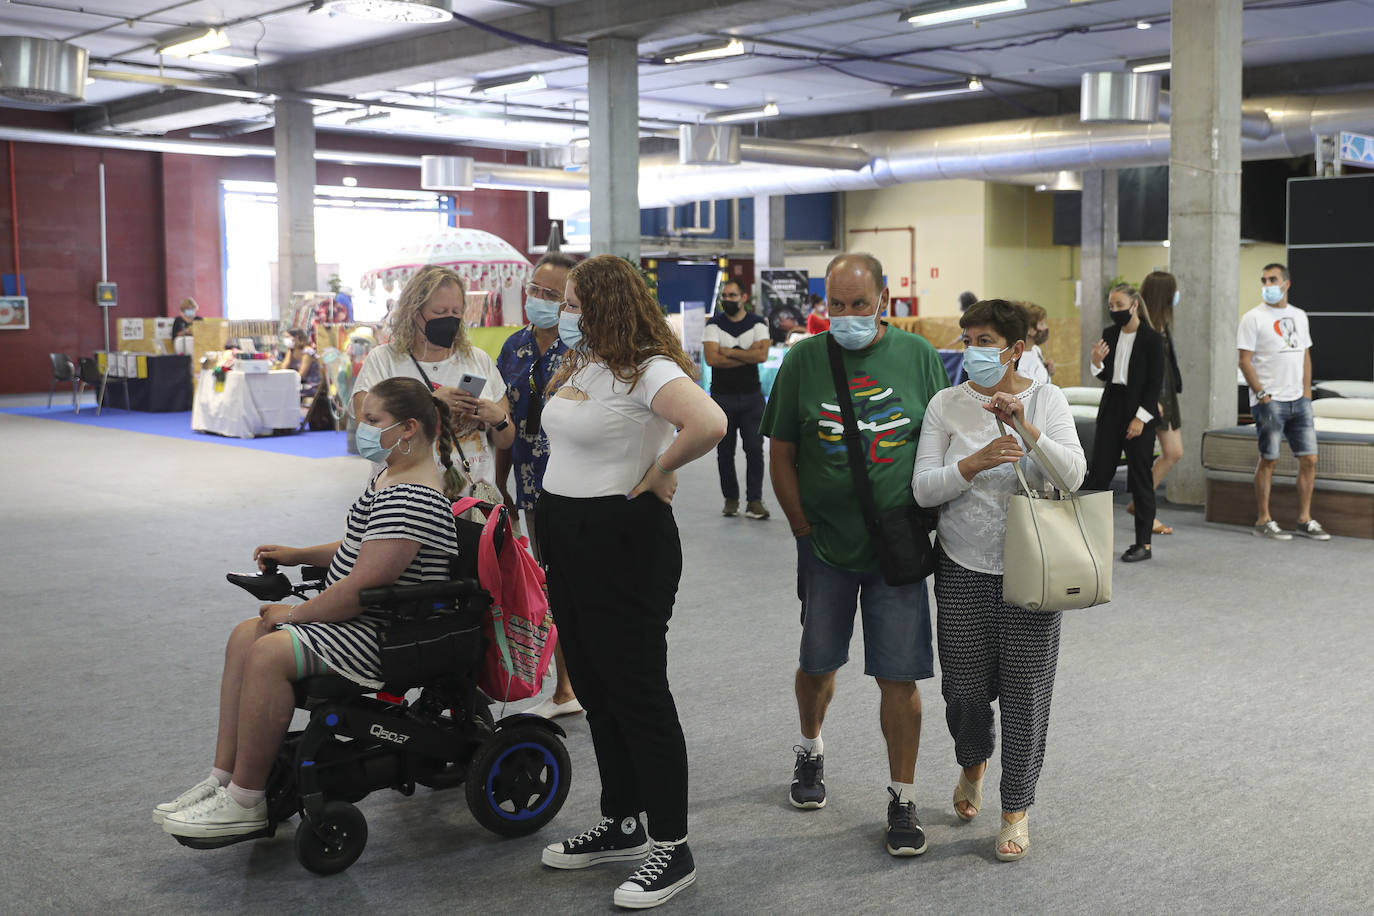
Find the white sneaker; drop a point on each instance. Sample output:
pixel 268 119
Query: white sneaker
pixel 1312 529
pixel 217 816
pixel 551 710
pixel 197 793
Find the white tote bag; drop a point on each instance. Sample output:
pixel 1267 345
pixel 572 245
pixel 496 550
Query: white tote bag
pixel 1059 550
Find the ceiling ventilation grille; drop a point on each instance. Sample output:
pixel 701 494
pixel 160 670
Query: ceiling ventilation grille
pixel 42 71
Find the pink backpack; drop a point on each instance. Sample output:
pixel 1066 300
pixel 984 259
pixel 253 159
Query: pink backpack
pixel 520 634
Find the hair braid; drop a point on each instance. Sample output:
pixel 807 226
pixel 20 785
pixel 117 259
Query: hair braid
pixel 454 481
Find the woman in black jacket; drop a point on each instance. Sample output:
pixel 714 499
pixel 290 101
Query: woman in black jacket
pixel 1130 360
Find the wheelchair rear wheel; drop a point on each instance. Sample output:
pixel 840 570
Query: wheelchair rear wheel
pixel 519 780
pixel 332 842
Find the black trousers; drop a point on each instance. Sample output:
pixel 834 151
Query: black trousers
pixel 1110 441
pixel 744 412
pixel 613 568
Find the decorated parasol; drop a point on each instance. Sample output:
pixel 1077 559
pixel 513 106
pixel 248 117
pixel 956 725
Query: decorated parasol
pixel 484 261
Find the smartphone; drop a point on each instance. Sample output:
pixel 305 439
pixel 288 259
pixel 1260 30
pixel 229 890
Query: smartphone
pixel 472 384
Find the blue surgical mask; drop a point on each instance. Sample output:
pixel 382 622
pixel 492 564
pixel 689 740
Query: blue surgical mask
pixel 1273 295
pixel 570 329
pixel 1175 298
pixel 854 332
pixel 984 366
pixel 543 313
pixel 369 439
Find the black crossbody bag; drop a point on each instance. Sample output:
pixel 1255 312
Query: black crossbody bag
pixel 900 536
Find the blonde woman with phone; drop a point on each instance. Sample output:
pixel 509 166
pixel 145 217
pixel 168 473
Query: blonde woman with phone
pixel 429 343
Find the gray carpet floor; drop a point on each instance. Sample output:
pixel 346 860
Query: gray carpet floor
pixel 1208 748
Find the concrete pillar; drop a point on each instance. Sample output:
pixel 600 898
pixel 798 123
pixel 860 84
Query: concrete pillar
pixel 613 86
pixel 768 241
pixel 1204 223
pixel 1098 267
pixel 294 137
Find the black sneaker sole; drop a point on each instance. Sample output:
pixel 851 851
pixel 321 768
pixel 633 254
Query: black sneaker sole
pixel 555 859
pixel 906 851
pixel 643 900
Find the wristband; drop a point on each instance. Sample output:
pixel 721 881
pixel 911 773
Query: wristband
pixel 661 468
pixel 801 530
pixel 289 609
pixel 505 421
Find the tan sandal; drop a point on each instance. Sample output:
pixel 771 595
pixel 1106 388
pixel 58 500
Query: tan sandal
pixel 1161 528
pixel 1017 833
pixel 970 793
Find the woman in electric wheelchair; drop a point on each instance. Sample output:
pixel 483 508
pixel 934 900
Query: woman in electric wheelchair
pixel 399 531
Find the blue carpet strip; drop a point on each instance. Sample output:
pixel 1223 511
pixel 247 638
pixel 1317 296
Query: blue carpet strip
pixel 328 444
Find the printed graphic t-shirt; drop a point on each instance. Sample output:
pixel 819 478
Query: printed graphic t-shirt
pixel 1279 338
pixel 890 383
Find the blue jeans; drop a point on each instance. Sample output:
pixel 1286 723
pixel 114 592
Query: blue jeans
pixel 896 619
pixel 1291 420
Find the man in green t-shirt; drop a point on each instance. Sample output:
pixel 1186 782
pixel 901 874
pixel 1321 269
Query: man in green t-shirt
pixel 892 376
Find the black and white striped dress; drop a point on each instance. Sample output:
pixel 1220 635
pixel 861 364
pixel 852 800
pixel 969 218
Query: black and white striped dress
pixel 407 511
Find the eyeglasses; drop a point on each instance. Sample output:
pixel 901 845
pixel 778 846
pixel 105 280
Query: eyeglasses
pixel 535 291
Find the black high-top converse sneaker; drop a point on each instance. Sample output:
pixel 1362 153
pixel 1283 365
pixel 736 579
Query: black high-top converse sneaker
pixel 612 840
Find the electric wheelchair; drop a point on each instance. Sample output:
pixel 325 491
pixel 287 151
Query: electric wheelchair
pixel 516 771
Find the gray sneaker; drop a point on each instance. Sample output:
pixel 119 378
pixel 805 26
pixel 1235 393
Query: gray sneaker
pixel 1271 530
pixel 731 508
pixel 1312 529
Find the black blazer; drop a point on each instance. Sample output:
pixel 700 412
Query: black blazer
pixel 1145 375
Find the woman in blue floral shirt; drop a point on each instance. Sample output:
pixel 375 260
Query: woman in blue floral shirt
pixel 529 358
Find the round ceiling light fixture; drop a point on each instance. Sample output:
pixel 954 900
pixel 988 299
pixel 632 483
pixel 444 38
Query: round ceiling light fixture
pixel 416 11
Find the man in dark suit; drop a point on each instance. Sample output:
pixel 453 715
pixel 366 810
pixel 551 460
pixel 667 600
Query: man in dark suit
pixel 1130 360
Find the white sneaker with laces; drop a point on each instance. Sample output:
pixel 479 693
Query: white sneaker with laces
pixel 198 792
pixel 1271 530
pixel 216 816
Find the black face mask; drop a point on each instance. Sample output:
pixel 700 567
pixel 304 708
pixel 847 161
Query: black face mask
pixel 442 331
pixel 1122 318
pixel 731 306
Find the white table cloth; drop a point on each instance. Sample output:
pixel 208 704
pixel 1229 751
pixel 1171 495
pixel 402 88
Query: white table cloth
pixel 251 404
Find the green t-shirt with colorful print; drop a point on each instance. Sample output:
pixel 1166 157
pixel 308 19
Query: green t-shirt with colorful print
pixel 890 383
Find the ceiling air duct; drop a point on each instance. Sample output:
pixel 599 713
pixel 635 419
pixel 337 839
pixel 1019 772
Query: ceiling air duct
pixel 446 173
pixel 41 70
pixel 708 144
pixel 417 11
pixel 1120 98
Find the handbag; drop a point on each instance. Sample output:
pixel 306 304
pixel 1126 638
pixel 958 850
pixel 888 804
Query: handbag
pixel 900 536
pixel 1058 554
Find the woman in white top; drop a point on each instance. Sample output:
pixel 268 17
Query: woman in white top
pixel 611 549
pixel 990 650
pixel 429 342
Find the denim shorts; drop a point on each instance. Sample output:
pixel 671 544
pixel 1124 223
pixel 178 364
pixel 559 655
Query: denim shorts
pixel 1285 419
pixel 896 620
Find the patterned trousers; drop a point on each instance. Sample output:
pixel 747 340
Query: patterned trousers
pixel 991 650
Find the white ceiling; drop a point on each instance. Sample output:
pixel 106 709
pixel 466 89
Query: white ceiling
pixel 797 60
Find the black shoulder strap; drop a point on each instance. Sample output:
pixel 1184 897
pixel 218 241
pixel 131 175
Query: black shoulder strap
pixel 863 487
pixel 462 458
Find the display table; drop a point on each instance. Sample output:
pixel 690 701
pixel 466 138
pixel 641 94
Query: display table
pixel 251 404
pixel 167 389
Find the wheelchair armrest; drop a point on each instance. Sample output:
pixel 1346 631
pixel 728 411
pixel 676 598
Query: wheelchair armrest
pixel 390 595
pixel 313 573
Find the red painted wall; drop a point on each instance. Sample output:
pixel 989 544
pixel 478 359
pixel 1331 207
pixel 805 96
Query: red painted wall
pixel 164 230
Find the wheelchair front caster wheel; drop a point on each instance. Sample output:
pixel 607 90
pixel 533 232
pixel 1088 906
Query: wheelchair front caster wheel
pixel 330 843
pixel 519 780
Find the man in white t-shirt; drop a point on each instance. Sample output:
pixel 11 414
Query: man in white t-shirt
pixel 1275 358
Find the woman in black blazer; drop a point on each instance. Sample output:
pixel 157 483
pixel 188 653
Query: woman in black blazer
pixel 1130 360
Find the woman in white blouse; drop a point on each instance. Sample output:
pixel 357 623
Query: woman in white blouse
pixel 990 650
pixel 611 550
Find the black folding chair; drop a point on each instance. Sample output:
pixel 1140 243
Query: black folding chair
pixel 63 371
pixel 91 376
